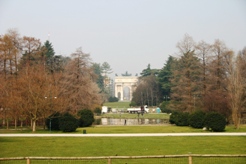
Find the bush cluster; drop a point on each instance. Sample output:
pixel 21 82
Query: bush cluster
pixel 86 118
pixel 133 103
pixel 98 111
pixel 196 119
pixel 69 123
pixel 164 107
pixel 212 120
pixel 179 118
pixel 113 99
pixel 52 122
pixel 215 122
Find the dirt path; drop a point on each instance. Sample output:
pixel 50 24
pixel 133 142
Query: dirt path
pixel 123 135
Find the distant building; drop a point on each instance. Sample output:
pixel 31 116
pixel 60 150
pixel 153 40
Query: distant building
pixel 124 86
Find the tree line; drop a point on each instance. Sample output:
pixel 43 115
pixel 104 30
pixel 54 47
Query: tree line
pixel 202 76
pixel 35 83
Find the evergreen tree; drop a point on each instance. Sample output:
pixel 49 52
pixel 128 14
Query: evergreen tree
pixel 98 71
pixel 106 69
pixel 49 53
pixel 165 75
pixel 146 72
pixel 49 56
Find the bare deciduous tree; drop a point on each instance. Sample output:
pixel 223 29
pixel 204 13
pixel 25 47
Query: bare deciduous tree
pixel 78 84
pixel 237 87
pixel 203 50
pixel 186 45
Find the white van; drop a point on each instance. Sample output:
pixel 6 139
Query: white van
pixel 104 109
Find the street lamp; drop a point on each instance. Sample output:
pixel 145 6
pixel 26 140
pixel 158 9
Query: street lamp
pixel 166 97
pixel 51 106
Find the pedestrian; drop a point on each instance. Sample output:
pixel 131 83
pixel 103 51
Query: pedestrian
pixel 142 110
pixel 125 122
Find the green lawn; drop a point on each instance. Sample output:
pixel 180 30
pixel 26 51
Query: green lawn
pixel 139 129
pixel 129 129
pixel 150 129
pixel 121 146
pixel 117 104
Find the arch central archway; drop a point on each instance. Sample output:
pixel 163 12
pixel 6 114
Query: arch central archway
pixel 125 86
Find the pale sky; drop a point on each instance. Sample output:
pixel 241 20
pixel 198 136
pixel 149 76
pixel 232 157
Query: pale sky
pixel 128 34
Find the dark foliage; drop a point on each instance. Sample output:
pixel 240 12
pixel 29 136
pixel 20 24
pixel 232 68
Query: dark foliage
pixel 113 99
pixel 179 118
pixel 174 117
pixel 196 119
pixel 53 121
pixel 133 103
pixel 183 119
pixel 215 121
pixel 86 118
pixel 97 111
pixel 68 123
pixel 164 107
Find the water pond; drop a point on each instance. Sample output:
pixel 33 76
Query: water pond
pixel 135 121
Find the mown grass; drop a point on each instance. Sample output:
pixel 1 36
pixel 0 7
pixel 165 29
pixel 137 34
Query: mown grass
pixel 139 129
pixel 129 129
pixel 121 146
pixel 151 129
pixel 117 104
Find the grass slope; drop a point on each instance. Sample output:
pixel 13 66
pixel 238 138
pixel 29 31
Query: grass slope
pixel 117 104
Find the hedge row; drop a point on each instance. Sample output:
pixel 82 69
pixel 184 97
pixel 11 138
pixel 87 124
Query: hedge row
pixel 69 123
pixel 212 120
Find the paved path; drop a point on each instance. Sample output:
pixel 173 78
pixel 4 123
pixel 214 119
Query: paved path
pixel 123 135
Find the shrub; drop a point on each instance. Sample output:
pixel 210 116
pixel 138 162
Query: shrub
pixel 182 119
pixel 98 111
pixel 215 121
pixel 86 117
pixel 173 118
pixel 179 118
pixel 68 123
pixel 97 121
pixel 113 99
pixel 196 119
pixel 53 121
pixel 164 107
pixel 133 103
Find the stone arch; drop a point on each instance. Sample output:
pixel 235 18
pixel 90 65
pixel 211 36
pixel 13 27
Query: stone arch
pixel 121 82
pixel 118 95
pixel 126 93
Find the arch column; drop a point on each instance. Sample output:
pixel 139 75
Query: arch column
pixel 122 92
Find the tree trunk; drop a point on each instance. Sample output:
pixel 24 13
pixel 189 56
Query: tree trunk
pixel 21 125
pixel 33 125
pixel 7 120
pixel 15 123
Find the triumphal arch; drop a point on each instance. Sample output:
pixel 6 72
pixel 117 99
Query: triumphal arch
pixel 124 86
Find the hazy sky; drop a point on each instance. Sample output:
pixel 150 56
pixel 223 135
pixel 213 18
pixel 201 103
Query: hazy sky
pixel 128 34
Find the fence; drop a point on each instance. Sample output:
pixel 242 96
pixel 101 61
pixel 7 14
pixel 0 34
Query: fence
pixel 173 159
